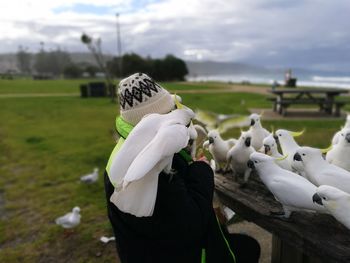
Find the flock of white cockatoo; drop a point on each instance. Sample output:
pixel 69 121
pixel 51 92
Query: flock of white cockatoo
pixel 301 178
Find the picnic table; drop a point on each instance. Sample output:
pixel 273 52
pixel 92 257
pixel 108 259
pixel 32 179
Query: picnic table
pixel 325 98
pixel 307 238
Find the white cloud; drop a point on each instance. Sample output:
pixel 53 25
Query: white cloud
pixel 258 31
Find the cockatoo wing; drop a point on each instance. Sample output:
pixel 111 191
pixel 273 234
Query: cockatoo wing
pixel 233 122
pixel 168 141
pixel 138 138
pixel 207 118
pixel 294 191
pixel 140 196
pixel 202 134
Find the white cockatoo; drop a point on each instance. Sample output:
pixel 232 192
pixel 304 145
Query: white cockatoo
pixel 292 191
pixel 238 155
pixel 336 201
pixel 336 136
pixel 218 148
pixel 257 131
pixel 289 146
pixel 221 122
pixel 271 148
pixel 340 152
pixel 90 178
pixel 70 220
pixel 321 172
pixel 147 151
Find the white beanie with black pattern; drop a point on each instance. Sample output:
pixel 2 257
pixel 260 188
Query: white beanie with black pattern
pixel 139 95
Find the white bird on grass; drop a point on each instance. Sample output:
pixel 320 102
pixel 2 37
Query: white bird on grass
pixel 238 156
pixel 106 240
pixel 258 131
pixel 336 136
pixel 340 152
pixel 221 122
pixel 336 201
pixel 271 148
pixel 147 151
pixel 70 220
pixel 321 172
pixel 292 191
pixel 90 178
pixel 218 148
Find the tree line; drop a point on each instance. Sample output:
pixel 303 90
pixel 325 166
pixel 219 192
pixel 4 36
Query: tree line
pixel 58 63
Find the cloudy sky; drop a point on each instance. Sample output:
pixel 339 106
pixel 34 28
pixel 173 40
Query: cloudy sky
pixel 311 33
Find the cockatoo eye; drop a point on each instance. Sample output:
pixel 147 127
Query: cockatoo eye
pixel 280 135
pixel 303 154
pixel 342 134
pixel 255 161
pixel 324 198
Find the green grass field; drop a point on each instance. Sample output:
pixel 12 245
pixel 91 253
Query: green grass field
pixel 46 144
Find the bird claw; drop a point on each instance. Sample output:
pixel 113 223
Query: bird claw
pixel 280 215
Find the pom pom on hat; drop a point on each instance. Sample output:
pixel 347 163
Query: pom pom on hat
pixel 139 95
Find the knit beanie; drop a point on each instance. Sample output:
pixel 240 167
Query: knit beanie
pixel 139 95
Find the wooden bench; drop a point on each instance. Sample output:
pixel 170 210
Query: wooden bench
pixel 307 238
pixel 281 105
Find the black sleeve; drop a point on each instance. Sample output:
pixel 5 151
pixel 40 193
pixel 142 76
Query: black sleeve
pixel 186 200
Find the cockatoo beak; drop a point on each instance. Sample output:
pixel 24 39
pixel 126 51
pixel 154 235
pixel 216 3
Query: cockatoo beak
pixel 297 157
pixel 211 140
pixel 252 122
pixel 247 142
pixel 347 137
pixel 267 149
pixel 250 164
pixel 297 134
pixel 317 199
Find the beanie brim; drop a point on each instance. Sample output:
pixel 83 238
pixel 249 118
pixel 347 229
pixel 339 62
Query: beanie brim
pixel 162 105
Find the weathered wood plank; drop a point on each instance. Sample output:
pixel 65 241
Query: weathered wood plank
pixel 317 235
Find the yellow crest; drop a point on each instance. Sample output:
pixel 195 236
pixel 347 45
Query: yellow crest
pixel 177 103
pixel 297 134
pixel 281 158
pixel 327 149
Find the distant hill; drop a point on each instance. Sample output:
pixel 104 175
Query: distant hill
pixel 9 61
pixel 204 68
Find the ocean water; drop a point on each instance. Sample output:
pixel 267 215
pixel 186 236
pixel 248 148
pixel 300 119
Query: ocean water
pixel 308 80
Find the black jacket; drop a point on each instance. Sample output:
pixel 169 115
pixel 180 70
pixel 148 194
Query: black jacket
pixel 182 224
